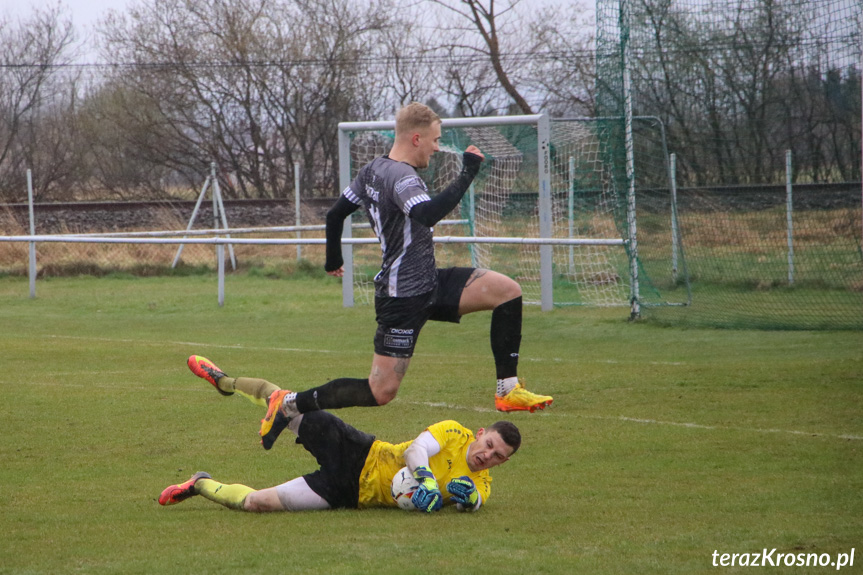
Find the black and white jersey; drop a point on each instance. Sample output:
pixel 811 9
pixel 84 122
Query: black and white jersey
pixel 388 190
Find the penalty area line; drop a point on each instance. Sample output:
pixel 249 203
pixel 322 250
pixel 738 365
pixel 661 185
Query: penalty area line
pixel 643 421
pixel 193 344
pixel 453 357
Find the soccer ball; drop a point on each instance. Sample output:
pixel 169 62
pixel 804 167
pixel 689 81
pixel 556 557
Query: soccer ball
pixel 404 485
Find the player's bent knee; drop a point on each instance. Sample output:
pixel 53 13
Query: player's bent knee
pixel 385 399
pixel 506 289
pixel 385 393
pixel 263 501
pixel 513 290
pixel 386 377
pixel 296 495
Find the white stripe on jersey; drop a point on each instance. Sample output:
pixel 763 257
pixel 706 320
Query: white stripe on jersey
pixel 383 242
pixel 351 196
pixel 394 269
pixel 414 201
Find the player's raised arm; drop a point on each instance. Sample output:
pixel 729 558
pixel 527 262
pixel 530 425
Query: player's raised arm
pixel 432 211
pixel 475 151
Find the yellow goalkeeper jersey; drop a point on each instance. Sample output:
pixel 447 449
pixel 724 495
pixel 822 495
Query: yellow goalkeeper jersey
pixel 385 459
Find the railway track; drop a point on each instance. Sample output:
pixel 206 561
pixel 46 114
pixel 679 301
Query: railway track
pixel 84 217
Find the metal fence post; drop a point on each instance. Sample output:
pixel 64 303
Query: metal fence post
pixel 32 245
pixel 297 207
pixel 789 210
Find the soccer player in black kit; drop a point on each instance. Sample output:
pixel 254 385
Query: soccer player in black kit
pixel 409 289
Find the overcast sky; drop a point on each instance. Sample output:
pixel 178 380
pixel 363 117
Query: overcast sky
pixel 84 15
pixel 84 12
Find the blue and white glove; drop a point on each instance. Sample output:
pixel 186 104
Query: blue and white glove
pixel 463 492
pixel 427 497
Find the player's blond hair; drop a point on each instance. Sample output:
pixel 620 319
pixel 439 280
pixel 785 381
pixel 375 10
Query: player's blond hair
pixel 414 117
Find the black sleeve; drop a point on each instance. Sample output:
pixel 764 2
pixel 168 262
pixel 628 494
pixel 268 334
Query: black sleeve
pixel 431 212
pixel 335 224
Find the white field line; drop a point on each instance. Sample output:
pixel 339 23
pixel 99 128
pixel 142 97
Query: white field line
pixel 325 351
pixel 623 418
pixel 192 343
pixel 550 413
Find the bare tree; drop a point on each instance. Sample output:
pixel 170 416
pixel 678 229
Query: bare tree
pixel 130 150
pixel 482 18
pixel 252 84
pixel 404 65
pixel 741 82
pixel 34 93
pixel 716 79
pixel 472 87
pixel 561 69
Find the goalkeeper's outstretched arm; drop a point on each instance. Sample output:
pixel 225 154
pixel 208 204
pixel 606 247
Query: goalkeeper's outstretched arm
pixel 428 496
pixel 421 450
pixel 417 457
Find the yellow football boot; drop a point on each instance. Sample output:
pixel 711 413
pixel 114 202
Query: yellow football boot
pixel 520 399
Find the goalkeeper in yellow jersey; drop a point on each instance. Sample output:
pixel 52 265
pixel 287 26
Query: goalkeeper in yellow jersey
pixel 448 460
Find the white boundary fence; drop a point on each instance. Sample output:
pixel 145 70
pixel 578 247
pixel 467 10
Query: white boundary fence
pixel 189 236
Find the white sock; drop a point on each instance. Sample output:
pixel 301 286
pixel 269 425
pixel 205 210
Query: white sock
pixel 504 386
pixel 290 398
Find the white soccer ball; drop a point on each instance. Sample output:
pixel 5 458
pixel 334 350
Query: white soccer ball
pixel 404 485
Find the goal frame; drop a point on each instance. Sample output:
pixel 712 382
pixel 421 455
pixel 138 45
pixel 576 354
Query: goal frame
pixel 543 130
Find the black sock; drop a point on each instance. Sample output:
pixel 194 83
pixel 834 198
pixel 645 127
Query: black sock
pixel 506 337
pixel 343 392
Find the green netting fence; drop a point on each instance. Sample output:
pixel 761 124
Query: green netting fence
pixel 760 101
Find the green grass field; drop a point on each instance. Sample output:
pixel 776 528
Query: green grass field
pixel 663 445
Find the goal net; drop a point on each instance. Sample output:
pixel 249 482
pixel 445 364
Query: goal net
pixel 505 201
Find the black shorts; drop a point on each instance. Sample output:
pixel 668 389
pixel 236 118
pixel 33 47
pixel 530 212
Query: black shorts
pixel 341 451
pixel 400 319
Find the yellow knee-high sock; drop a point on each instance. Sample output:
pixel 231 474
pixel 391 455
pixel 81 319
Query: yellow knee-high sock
pixel 231 496
pixel 258 391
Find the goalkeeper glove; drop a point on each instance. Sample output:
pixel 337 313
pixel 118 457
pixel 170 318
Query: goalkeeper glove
pixel 427 497
pixel 463 491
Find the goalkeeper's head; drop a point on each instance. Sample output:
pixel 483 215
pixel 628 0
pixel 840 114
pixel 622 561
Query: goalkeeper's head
pixel 493 445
